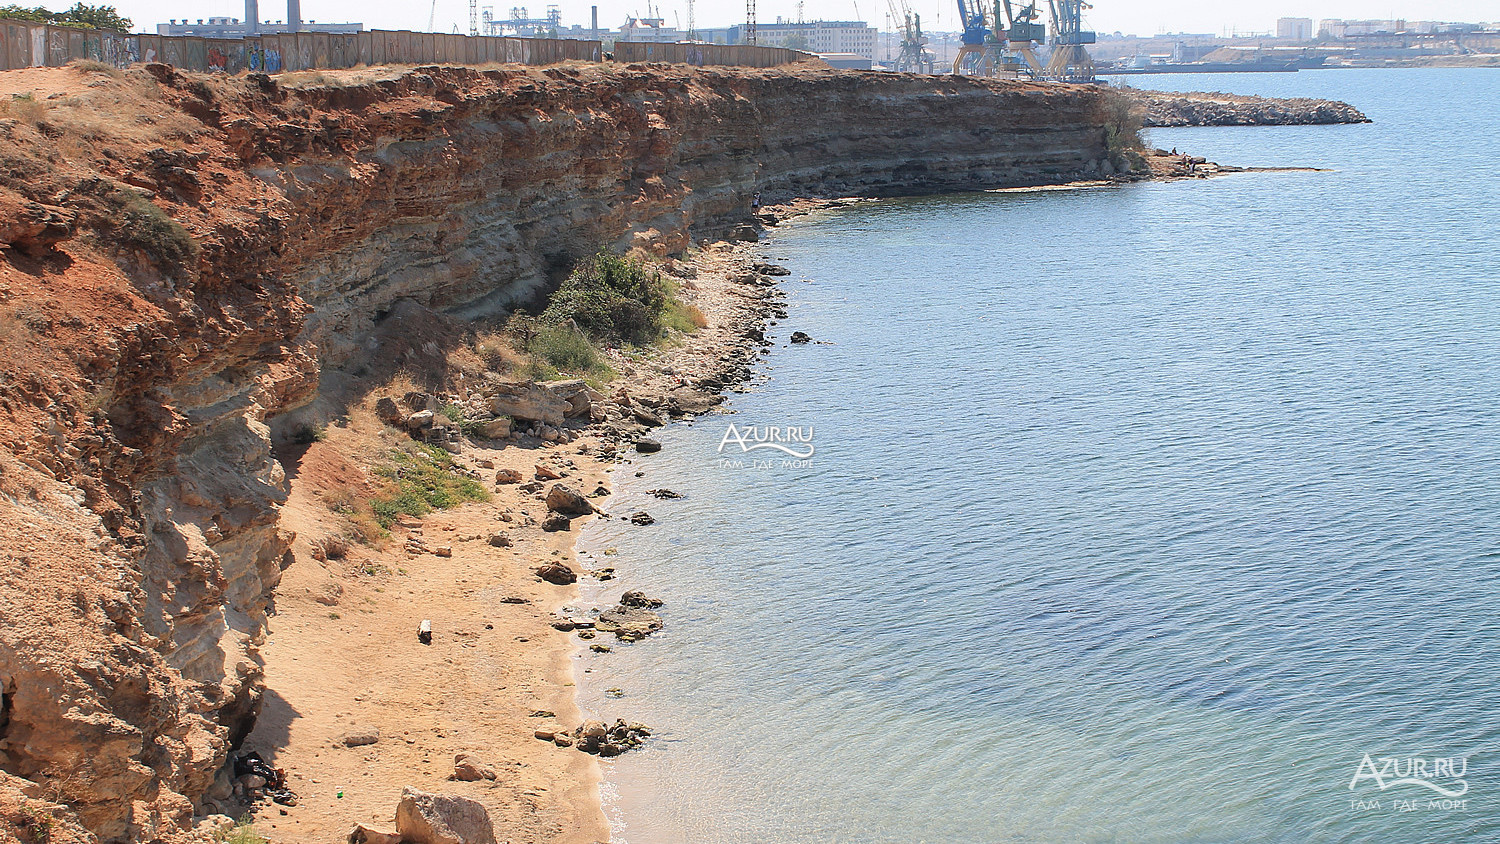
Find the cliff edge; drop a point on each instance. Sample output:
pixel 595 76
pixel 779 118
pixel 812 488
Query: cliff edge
pixel 190 265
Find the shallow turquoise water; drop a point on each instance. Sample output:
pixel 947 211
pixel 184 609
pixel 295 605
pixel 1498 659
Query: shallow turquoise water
pixel 1137 514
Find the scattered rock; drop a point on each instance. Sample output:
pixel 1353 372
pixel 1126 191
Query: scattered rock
pixel 642 518
pixel 557 574
pixel 663 493
pixel 419 420
pixel 561 499
pixel 629 624
pixel 646 445
pixel 500 540
pixel 443 550
pixel 387 411
pixel 746 233
pixel 469 768
pixel 362 834
pixel 646 417
pixel 495 429
pixel 546 473
pixel 423 818
pixel 600 491
pixel 509 476
pixel 799 337
pixel 361 736
pixel 564 625
pixel 557 522
pixel 637 598
pixel 600 649
pixel 770 269
pixel 545 733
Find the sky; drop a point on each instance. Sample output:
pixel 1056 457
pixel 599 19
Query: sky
pixel 1139 17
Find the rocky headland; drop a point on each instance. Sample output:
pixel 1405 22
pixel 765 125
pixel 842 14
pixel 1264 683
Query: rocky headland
pixel 1166 109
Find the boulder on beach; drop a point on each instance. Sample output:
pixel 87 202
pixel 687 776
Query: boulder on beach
pixel 800 338
pixel 568 501
pixel 424 818
pixel 642 518
pixel 528 401
pixel 557 574
pixel 509 476
pixel 646 445
pixel 557 522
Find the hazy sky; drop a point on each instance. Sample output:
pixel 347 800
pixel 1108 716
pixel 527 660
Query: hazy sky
pixel 1141 17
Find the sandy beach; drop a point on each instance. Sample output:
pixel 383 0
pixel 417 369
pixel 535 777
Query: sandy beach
pixel 343 661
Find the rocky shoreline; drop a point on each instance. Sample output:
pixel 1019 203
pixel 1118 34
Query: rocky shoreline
pixel 1198 108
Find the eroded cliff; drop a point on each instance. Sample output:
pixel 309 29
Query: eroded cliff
pixel 189 262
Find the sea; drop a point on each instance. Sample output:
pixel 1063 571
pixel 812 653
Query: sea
pixel 1163 512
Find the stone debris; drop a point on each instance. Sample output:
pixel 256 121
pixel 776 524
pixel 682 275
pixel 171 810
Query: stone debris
pixel 362 834
pixel 470 768
pixel 361 736
pixel 642 518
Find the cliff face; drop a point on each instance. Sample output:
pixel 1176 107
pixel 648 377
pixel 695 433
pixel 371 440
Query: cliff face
pixel 188 259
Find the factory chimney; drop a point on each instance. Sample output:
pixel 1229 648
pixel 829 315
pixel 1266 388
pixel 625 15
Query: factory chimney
pixel 594 22
pixel 252 17
pixel 293 15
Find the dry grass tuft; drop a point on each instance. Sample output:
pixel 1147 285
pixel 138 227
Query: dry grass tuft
pixel 23 107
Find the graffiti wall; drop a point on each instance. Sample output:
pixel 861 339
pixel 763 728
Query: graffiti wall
pixel 36 45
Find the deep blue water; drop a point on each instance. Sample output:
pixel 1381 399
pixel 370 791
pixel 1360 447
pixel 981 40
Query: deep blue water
pixel 1137 513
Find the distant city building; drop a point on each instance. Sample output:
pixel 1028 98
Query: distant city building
pixel 1295 29
pixel 814 36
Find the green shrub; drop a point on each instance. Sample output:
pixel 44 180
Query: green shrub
pixel 612 297
pixel 421 481
pixel 1123 121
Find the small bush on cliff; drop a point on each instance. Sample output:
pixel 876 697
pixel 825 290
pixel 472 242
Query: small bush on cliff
pixel 420 481
pixel 1123 121
pixel 613 298
pixel 142 224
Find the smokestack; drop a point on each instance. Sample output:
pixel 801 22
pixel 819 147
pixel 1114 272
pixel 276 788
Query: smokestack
pixel 252 16
pixel 594 25
pixel 293 15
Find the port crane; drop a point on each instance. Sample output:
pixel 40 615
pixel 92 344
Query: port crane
pixel 914 56
pixel 1011 46
pixel 973 57
pixel 1070 61
pixel 1022 34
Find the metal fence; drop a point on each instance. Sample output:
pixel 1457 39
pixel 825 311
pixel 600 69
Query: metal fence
pixel 24 44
